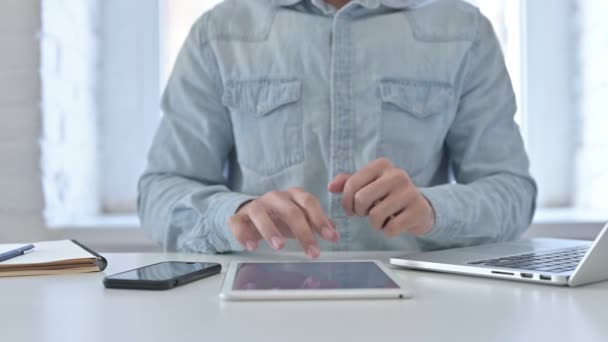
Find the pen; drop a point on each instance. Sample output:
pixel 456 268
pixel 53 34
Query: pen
pixel 16 252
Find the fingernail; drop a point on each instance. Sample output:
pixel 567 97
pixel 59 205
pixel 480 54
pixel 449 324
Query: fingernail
pixel 250 245
pixel 277 242
pixel 327 233
pixel 313 252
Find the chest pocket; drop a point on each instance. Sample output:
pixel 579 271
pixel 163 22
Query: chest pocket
pixel 415 116
pixel 267 122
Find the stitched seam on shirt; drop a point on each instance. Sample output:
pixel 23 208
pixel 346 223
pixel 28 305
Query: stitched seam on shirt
pixel 466 73
pixel 471 54
pixel 217 74
pixel 204 43
pixel 380 148
pixel 413 27
pixel 244 37
pixel 414 82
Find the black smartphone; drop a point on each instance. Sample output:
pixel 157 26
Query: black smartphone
pixel 162 276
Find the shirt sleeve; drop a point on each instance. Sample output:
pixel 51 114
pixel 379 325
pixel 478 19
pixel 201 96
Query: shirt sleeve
pixel 184 201
pixel 494 195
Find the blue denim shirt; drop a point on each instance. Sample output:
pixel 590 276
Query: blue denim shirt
pixel 273 94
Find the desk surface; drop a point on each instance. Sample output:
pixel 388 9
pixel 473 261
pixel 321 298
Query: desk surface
pixel 444 308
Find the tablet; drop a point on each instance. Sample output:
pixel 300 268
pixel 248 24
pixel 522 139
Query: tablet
pixel 310 280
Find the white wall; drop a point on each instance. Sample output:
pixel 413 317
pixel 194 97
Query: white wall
pixel 592 175
pixel 21 200
pixel 70 85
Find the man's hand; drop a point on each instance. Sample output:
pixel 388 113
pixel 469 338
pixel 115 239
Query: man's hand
pixel 281 215
pixel 386 195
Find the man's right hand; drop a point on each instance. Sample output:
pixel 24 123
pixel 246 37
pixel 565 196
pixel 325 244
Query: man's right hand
pixel 280 215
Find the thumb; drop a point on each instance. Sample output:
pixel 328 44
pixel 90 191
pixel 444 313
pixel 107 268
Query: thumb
pixel 336 186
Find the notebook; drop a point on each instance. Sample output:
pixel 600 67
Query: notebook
pixel 52 257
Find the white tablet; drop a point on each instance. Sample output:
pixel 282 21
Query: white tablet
pixel 310 280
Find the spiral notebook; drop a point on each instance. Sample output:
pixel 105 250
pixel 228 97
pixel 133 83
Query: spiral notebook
pixel 52 257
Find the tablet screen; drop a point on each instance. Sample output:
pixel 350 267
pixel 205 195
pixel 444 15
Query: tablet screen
pixel 311 275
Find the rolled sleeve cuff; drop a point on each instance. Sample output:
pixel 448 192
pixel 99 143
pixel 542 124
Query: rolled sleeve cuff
pixel 223 206
pixel 445 215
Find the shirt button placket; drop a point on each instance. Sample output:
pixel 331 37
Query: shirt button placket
pixel 342 123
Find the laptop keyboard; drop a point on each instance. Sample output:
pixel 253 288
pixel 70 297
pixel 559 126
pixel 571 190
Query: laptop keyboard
pixel 560 261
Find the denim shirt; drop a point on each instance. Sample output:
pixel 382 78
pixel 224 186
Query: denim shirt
pixel 273 94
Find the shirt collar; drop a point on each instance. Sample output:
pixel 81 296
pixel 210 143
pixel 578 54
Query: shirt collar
pixel 370 3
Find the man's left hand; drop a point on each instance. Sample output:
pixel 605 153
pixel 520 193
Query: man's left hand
pixel 387 196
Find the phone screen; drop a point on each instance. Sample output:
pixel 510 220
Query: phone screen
pixel 163 271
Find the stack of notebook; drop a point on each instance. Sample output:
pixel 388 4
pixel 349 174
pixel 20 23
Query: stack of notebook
pixel 52 257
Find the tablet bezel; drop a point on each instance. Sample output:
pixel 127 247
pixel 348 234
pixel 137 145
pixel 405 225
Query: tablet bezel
pixel 228 294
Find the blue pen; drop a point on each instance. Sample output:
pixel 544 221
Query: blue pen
pixel 15 252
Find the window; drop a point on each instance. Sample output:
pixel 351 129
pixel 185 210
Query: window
pixel 103 78
pixel 591 96
pixel 506 17
pixel 554 53
pixel 178 16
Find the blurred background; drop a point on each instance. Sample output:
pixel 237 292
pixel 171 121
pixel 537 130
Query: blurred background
pixel 80 82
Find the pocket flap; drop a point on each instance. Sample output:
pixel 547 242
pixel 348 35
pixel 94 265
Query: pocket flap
pixel 261 96
pixel 419 98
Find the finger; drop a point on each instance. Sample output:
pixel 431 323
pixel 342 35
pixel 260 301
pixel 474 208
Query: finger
pixel 283 228
pixel 393 204
pixel 407 221
pixel 311 283
pixel 335 227
pixel 422 225
pixel 315 214
pixel 373 193
pixel 267 228
pixel 293 215
pixel 359 180
pixel 336 186
pixel 244 231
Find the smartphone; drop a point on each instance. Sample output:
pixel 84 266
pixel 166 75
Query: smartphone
pixel 162 276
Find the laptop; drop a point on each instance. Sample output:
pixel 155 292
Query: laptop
pixel 544 261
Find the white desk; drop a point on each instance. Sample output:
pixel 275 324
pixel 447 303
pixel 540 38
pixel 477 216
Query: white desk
pixel 445 308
